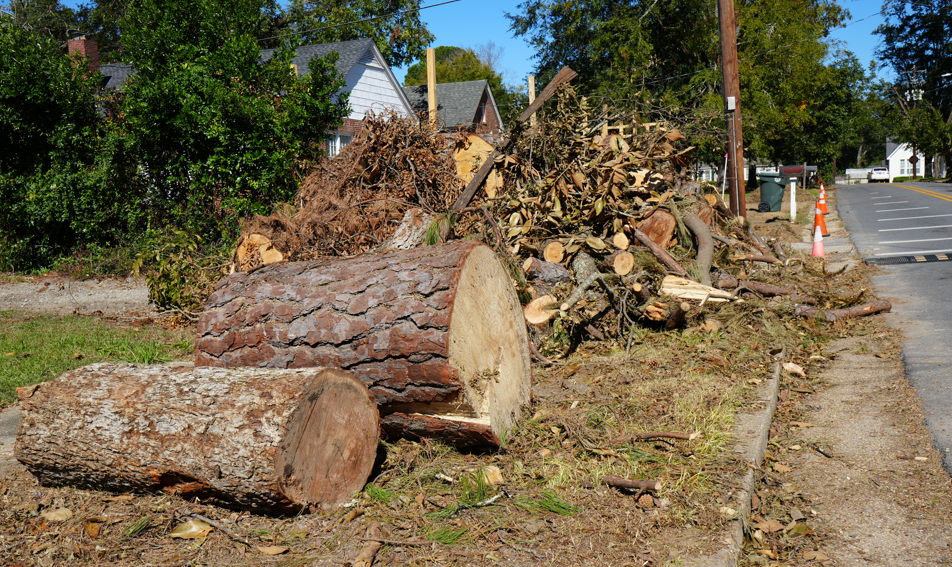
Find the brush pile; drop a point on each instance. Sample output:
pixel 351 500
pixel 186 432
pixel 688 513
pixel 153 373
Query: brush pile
pixel 352 203
pixel 594 213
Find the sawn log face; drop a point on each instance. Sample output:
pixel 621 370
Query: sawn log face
pixel 394 320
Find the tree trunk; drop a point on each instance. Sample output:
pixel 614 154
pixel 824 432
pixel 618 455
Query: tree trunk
pixel 274 441
pixel 436 333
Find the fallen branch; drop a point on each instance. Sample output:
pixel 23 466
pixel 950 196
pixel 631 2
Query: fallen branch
pixel 676 316
pixel 660 253
pixel 758 241
pixel 639 485
pixel 395 542
pixel 686 289
pixel 778 248
pixel 705 245
pixel 366 556
pixel 659 435
pixel 769 290
pixel 755 258
pixel 832 315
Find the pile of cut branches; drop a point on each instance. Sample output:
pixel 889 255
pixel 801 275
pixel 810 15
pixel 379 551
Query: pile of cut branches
pixel 352 203
pixel 607 234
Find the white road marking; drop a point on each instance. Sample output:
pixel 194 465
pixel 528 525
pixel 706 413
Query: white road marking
pixel 908 241
pixel 916 253
pixel 893 203
pixel 915 228
pixel 884 197
pixel 906 209
pixel 916 218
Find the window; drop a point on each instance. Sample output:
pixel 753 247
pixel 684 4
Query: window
pixel 902 167
pixel 337 141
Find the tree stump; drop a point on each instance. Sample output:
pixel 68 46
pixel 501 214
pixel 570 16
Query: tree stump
pixel 436 333
pixel 272 441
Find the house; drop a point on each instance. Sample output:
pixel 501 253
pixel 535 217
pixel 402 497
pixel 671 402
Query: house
pixel 367 77
pixel 459 106
pixel 897 161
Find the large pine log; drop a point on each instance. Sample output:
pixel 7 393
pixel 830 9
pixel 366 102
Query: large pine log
pixel 436 333
pixel 275 441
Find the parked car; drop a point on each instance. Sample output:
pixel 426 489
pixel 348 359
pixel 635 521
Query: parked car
pixel 878 174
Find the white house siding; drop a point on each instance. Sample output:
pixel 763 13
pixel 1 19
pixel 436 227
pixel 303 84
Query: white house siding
pixel 370 89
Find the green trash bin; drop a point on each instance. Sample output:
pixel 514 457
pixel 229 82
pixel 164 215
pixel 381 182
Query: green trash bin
pixel 772 188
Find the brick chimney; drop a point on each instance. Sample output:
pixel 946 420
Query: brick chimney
pixel 85 48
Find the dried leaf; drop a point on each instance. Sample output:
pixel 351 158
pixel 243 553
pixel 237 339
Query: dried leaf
pixel 92 529
pixel 794 369
pixel 273 549
pixel 578 179
pixel 768 526
pixel 58 515
pixel 815 556
pixel 802 424
pixel 801 530
pixel 674 135
pixel 596 243
pixel 782 468
pixel 192 529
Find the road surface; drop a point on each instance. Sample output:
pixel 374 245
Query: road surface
pixel 906 228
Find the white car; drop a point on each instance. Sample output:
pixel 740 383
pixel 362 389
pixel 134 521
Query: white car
pixel 878 174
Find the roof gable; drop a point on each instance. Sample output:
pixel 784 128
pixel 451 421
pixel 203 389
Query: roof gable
pixel 351 52
pixel 456 103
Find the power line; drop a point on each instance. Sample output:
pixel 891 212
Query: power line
pixel 368 19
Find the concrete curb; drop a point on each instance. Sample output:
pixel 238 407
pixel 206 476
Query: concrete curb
pixel 752 432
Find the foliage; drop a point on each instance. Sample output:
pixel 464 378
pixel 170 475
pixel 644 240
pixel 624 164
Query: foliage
pixel 47 18
pixel 215 135
pixel 54 159
pixel 915 43
pixel 401 37
pixel 668 51
pixel 100 22
pixel 179 272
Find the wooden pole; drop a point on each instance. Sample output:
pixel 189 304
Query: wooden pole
pixel 431 83
pixel 532 119
pixel 735 135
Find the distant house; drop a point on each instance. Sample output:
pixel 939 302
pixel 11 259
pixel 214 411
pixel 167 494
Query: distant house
pixel 897 161
pixel 367 77
pixel 460 106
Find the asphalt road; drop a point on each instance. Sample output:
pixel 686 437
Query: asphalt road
pixel 907 229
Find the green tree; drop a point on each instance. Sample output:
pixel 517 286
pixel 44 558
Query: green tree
pixel 50 133
pixel 215 135
pixel 394 25
pixel 100 22
pixel 43 17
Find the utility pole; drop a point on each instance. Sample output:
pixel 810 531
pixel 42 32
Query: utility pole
pixel 431 84
pixel 735 134
pixel 915 93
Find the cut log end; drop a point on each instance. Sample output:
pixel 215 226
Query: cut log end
pixel 321 462
pixel 536 313
pixel 621 262
pixel 553 251
pixel 621 241
pixel 487 342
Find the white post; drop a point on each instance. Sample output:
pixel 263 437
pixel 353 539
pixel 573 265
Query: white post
pixel 793 200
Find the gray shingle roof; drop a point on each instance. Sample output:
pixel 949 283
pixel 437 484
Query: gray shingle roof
pixel 456 103
pixel 115 74
pixel 350 53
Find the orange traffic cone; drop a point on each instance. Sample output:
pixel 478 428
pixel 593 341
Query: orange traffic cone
pixel 818 241
pixel 818 221
pixel 822 202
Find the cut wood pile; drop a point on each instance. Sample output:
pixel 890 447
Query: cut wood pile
pixel 414 266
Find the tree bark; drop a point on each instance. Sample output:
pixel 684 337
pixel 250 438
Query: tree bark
pixel 832 315
pixel 546 272
pixel 705 245
pixel 660 254
pixel 273 441
pixel 436 333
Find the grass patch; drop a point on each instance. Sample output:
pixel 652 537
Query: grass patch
pixel 37 348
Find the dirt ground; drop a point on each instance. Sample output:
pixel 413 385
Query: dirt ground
pixel 850 476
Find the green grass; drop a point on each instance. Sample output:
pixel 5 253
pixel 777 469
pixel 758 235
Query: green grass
pixel 35 348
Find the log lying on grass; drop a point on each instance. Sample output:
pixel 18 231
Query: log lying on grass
pixel 436 333
pixel 273 441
